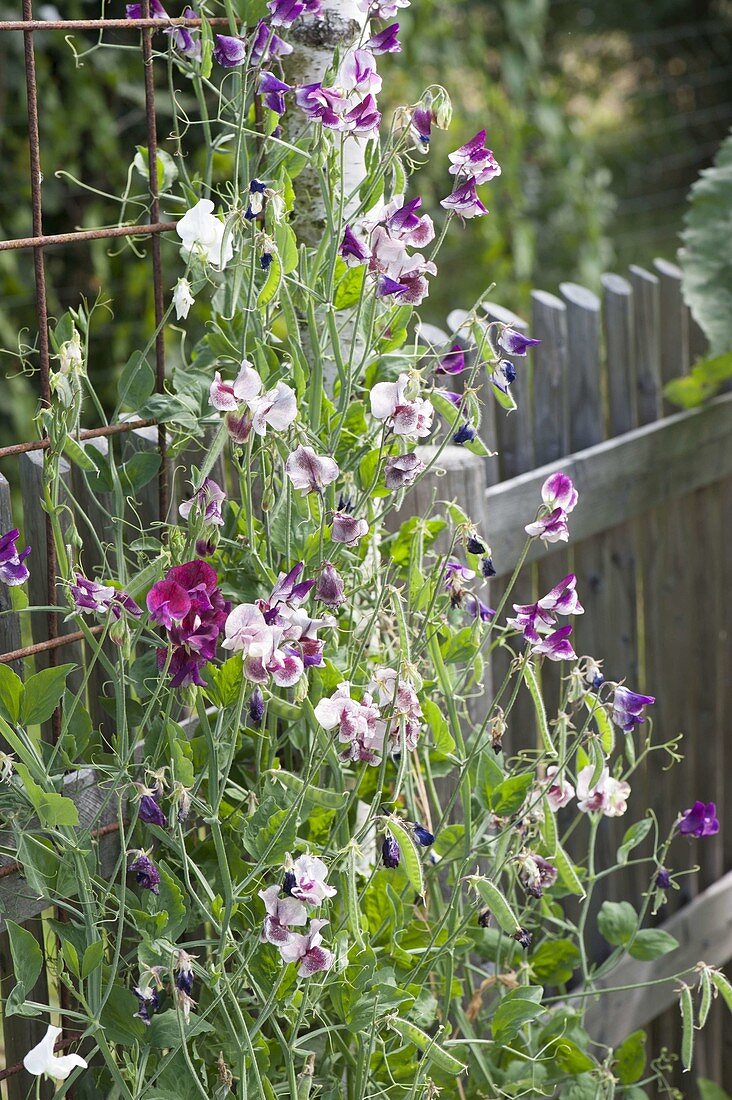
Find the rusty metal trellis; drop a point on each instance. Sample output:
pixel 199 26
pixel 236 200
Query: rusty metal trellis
pixel 40 241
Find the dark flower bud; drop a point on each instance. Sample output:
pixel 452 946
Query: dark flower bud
pixel 423 836
pixel 146 873
pixel 487 567
pixel 205 547
pixel 288 882
pixel 484 918
pixel 523 937
pixel 265 260
pixel 465 434
pixel 475 546
pixel 150 813
pixel 390 852
pixel 329 589
pixel 598 681
pixel 256 707
pixel 663 879
pixel 149 1002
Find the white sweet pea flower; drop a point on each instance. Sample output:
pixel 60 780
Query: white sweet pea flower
pixel 203 233
pixel 182 299
pixel 277 407
pixel 41 1059
pixel 70 354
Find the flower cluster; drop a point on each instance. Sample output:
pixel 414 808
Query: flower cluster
pixel 471 164
pixel 247 408
pixel 537 621
pixel 560 498
pixel 304 888
pixel 188 603
pixel 382 242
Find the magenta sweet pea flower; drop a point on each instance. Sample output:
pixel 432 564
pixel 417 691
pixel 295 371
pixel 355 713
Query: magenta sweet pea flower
pixel 12 569
pixel 230 52
pixel 556 646
pixel 386 41
pixel 285 12
pixel 701 820
pixel 464 201
pixel 364 119
pixel 560 497
pixel 628 707
pixel 189 604
pixel 168 603
pixel 453 362
pixel 515 343
pixel 321 104
pixel 92 596
pixel 206 502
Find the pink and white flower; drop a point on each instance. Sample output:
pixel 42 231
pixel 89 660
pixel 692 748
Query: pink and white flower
pixel 310 884
pixel 228 396
pixel 307 950
pixel 409 418
pixel 281 915
pixel 310 472
pixel 360 726
pixel 560 791
pixel 276 408
pixel 608 796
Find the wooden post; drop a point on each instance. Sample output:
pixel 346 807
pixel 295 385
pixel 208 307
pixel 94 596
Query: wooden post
pixel 647 316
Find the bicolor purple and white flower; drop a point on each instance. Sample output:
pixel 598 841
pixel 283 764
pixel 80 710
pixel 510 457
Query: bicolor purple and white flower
pixel 515 343
pixel 282 914
pixel 307 950
pixel 629 707
pixel 560 498
pixel 464 201
pixel 267 45
pixel 401 471
pixel 410 417
pixel 309 883
pixel 206 503
pixel 359 724
pixel 283 13
pixel 397 697
pixel 229 52
pixel 310 472
pixel 89 595
pixel 13 571
pixel 559 791
pixel 474 160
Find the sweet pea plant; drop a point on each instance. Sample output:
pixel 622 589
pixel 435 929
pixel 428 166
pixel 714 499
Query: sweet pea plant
pixel 332 878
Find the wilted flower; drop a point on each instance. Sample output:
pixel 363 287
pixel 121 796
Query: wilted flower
pixel 466 433
pixel 12 569
pixel 487 567
pixel 329 588
pixel 628 707
pixel 307 951
pixel 149 811
pixel 184 972
pixel 515 343
pixel 423 836
pixel 390 852
pixel 182 299
pixel 663 879
pixel 402 470
pixel 203 234
pixel 464 201
pixel 230 52
pixel 536 874
pixel 281 915
pixel 523 938
pixel 701 820
pixel 310 472
pixel 148 1000
pixel 347 529
pixel 42 1060
pixel 146 873
pixel 503 375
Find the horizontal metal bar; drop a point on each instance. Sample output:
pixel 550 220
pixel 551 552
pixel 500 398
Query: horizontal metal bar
pixel 90 433
pixel 104 24
pixel 62 1044
pixel 52 643
pixel 87 235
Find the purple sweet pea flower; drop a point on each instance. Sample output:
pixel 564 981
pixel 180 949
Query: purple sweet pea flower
pixel 352 250
pixel 402 470
pixel 464 434
pixel 556 646
pixel 150 812
pixel 386 41
pixel 285 12
pixel 464 201
pixel 255 709
pixel 321 104
pixel 330 590
pixel 363 119
pixel 479 610
pixel 560 497
pixel 558 491
pixel 189 604
pixel 273 92
pixel 268 46
pixel 474 160
pixel 146 873
pixel 423 836
pixel 157 11
pixel 206 502
pixel 421 128
pixel 92 596
pixel 663 876
pixel 453 362
pixel 515 343
pixel 148 1001
pixel 504 375
pixel 347 529
pixel 230 52
pixel 12 569
pixel 628 707
pixel 386 287
pixel 701 820
pixel 186 43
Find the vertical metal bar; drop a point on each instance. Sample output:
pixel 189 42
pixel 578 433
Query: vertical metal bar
pixel 41 307
pixel 152 157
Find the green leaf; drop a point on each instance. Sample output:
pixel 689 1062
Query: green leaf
pixel 554 961
pixel 630 1058
pixel 633 837
pixel 53 809
pixel 511 1015
pixel 42 694
pixel 702 383
pixel 443 740
pixel 167 170
pixel 71 957
pixel 136 382
pixel 227 680
pixel 27 960
pixel 11 692
pixel 617 921
pixel 651 943
pixel 349 285
pixel 92 958
pixel 709 1091
pixel 571 1058
pixel 259 832
pixel 138 470
pixel 165 1028
pixel 707 267
pixel 510 795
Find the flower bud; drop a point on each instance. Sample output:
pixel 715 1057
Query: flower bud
pixel 423 836
pixel 329 589
pixel 256 707
pixel 390 852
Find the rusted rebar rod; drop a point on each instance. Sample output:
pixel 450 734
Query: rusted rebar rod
pixel 105 24
pixel 88 433
pixel 51 644
pixel 48 239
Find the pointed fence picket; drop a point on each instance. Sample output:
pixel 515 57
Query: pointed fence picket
pixel 648 541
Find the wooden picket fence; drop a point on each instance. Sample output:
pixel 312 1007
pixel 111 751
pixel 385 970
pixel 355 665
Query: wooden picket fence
pixel 649 542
